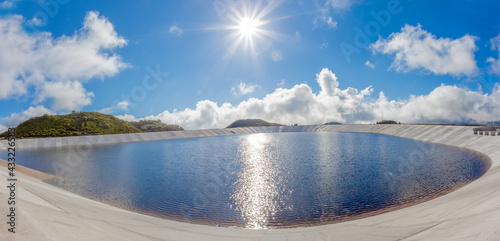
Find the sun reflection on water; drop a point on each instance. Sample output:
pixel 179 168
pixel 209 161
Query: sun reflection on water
pixel 257 192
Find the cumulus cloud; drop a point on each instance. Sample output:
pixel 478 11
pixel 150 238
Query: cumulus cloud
pixel 69 95
pixel 414 48
pixel 175 30
pixel 38 60
pixel 445 104
pixel 244 89
pixel 370 65
pixel 16 118
pixel 495 63
pixel 328 82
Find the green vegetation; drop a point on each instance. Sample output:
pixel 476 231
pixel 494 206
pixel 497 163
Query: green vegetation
pixel 155 126
pixel 84 123
pixel 251 122
pixel 388 122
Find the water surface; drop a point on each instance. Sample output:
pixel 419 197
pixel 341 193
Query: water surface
pixel 261 180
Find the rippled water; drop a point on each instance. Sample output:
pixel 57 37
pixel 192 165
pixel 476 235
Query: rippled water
pixel 261 180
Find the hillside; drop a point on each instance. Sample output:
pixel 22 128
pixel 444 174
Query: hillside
pixel 155 126
pixel 251 122
pixel 84 123
pixel 332 123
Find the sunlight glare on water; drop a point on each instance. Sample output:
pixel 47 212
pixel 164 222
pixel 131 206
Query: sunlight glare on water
pixel 256 191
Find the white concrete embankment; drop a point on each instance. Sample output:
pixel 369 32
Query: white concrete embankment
pixel 470 213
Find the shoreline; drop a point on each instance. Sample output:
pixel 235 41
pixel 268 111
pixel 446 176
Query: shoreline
pixel 42 176
pixel 429 219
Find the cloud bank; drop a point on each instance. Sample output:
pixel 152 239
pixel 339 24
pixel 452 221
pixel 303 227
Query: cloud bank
pixel 16 118
pixel 445 104
pixel 414 48
pixel 57 67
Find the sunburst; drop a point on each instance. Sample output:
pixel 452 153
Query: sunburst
pixel 249 32
pixel 248 26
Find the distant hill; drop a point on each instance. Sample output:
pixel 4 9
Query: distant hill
pixel 388 122
pixel 81 124
pixel 251 122
pixel 155 126
pixel 333 123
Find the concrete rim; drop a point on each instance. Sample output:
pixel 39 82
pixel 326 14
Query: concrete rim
pixel 470 213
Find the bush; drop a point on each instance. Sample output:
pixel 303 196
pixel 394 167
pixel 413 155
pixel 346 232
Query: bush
pixel 388 122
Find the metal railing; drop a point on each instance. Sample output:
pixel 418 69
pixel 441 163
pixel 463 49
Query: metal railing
pixel 487 130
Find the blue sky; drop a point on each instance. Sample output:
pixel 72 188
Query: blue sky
pixel 351 61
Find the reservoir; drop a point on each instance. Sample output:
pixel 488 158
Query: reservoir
pixel 261 181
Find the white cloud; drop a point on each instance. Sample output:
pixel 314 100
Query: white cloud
pixel 3 128
pixel 175 30
pixel 445 104
pixel 127 117
pixel 328 82
pixel 414 48
pixel 370 65
pixel 244 89
pixel 323 19
pixel 495 43
pixel 6 4
pixel 39 59
pixel 16 118
pixel 324 46
pixel 123 105
pixel 495 63
pixel 281 83
pixel 336 5
pixel 35 21
pixel 331 23
pixel 120 106
pixel 68 95
pixel 106 111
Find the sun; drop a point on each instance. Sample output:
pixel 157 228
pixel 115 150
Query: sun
pixel 249 27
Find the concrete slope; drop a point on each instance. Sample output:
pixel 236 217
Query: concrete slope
pixel 46 212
